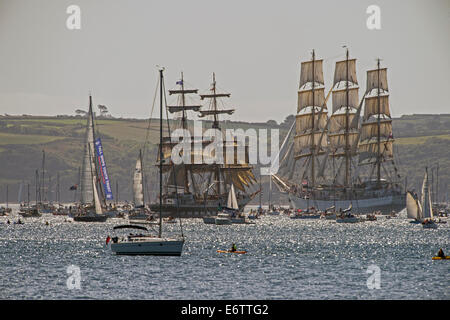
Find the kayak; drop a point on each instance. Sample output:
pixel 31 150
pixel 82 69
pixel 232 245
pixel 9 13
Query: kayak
pixel 229 251
pixel 439 258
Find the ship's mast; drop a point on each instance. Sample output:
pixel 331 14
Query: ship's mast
pixel 43 177
pixel 183 108
pixel 378 126
pixel 347 156
pixel 313 131
pixel 183 101
pixel 184 124
pixel 216 120
pixel 161 156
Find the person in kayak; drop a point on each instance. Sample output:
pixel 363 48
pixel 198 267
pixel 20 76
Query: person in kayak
pixel 441 253
pixel 233 248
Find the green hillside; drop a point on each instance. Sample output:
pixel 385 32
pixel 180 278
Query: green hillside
pixel 421 140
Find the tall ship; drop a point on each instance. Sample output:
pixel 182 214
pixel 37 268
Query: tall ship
pixel 199 188
pixel 340 158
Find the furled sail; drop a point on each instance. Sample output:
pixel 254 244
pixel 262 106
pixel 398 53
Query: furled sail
pixel 138 192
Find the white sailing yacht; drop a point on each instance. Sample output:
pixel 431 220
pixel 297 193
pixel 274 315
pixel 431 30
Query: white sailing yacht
pixel 421 211
pixel 225 216
pixel 90 209
pixel 139 244
pixel 139 212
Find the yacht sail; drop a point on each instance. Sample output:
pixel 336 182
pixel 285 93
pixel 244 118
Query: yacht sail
pixel 232 202
pixel 138 190
pixel 427 210
pixel 92 197
pixel 88 163
pixel 413 207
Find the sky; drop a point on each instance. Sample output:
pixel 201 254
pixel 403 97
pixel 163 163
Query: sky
pixel 254 47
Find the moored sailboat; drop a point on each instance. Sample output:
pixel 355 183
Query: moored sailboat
pixel 139 212
pixel 147 244
pixel 421 210
pixel 90 207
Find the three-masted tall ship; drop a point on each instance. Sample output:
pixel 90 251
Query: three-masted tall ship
pixel 345 160
pixel 199 188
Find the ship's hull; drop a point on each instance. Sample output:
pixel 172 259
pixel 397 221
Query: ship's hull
pixel 385 204
pixel 91 218
pixel 190 208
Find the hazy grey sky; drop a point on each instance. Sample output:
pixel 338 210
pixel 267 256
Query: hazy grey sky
pixel 254 47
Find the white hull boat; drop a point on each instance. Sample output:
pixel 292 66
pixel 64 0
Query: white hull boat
pixel 223 219
pixel 209 220
pixel 148 246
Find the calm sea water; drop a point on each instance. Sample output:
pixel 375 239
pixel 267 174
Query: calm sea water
pixel 286 259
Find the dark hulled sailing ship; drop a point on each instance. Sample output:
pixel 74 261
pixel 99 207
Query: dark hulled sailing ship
pixel 198 189
pixel 344 160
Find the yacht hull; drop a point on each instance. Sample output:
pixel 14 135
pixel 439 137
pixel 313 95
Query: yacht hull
pixel 161 247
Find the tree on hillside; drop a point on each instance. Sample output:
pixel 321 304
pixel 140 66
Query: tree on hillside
pixel 288 121
pixel 103 110
pixel 272 123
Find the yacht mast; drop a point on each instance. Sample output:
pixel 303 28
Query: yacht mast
pixel 161 157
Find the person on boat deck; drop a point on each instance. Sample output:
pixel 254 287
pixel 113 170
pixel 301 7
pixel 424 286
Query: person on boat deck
pixel 441 253
pixel 233 247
